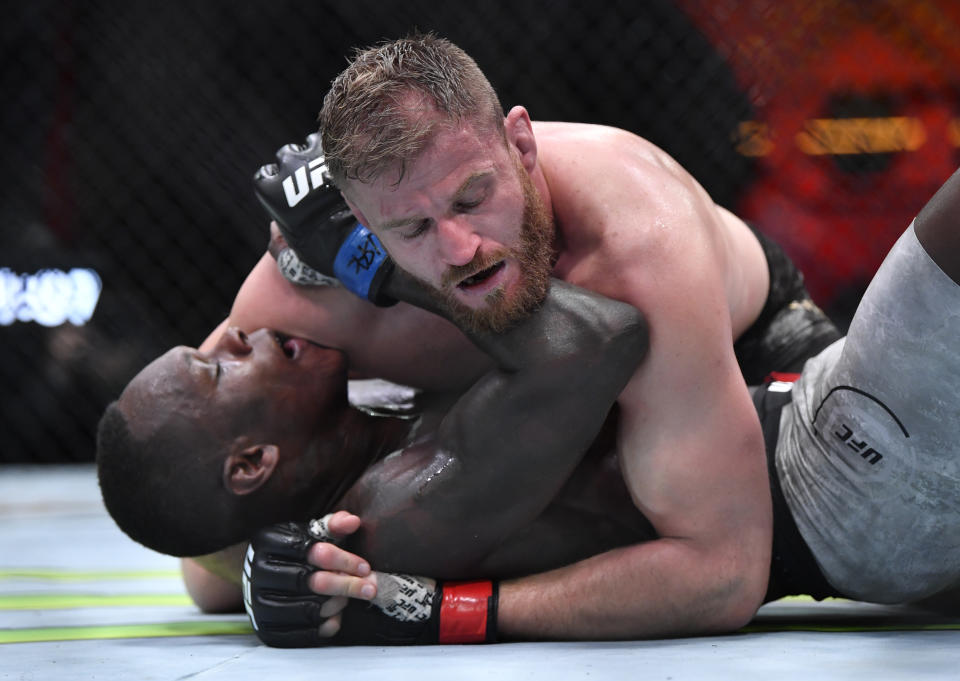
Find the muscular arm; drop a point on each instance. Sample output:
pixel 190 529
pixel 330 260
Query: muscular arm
pixel 509 443
pixel 690 444
pixel 705 573
pixel 403 343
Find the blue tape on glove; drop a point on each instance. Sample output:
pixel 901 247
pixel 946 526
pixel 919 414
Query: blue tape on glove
pixel 358 260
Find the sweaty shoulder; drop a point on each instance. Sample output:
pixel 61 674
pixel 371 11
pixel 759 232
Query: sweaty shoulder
pixel 614 172
pixel 609 187
pixel 620 201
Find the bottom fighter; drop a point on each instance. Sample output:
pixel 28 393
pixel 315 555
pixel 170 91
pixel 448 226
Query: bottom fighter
pixel 202 449
pixel 863 457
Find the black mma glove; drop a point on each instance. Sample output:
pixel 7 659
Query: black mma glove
pixel 318 225
pixel 407 610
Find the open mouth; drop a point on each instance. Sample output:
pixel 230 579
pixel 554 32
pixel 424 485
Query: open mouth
pixel 481 276
pixel 291 347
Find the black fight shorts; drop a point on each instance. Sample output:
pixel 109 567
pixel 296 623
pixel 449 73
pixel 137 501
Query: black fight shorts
pixel 790 329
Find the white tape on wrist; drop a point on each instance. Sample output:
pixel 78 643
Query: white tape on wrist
pixel 298 272
pixel 404 597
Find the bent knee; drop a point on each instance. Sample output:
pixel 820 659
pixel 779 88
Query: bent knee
pixel 938 227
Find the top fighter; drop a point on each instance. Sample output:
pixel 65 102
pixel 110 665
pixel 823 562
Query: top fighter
pixel 422 151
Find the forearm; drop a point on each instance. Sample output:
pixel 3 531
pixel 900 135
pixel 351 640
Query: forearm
pixel 210 592
pixel 661 588
pixel 571 322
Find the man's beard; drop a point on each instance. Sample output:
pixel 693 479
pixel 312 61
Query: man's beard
pixel 534 256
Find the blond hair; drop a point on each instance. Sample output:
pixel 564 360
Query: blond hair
pixel 384 107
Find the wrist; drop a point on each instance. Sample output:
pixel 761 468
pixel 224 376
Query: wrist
pixel 468 612
pixel 294 270
pixel 362 264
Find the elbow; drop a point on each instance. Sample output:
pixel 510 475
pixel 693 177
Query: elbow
pixel 730 615
pixel 220 604
pixel 738 613
pixel 213 595
pixel 742 597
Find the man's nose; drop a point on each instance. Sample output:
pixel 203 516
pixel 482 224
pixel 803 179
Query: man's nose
pixel 458 242
pixel 235 341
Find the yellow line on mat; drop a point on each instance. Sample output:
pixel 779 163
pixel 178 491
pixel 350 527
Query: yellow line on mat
pixel 61 575
pixel 165 629
pixel 63 601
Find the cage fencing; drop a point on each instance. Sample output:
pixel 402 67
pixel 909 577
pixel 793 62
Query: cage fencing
pixel 132 130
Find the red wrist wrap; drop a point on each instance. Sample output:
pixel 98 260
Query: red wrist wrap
pixel 464 612
pixel 785 376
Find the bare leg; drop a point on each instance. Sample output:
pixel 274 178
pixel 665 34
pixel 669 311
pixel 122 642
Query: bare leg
pixel 938 227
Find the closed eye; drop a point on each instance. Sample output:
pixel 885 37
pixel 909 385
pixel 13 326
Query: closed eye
pixel 464 206
pixel 416 231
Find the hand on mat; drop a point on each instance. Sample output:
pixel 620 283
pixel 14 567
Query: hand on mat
pixel 316 222
pixel 280 574
pixel 288 561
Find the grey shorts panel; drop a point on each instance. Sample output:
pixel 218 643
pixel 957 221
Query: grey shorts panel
pixel 869 450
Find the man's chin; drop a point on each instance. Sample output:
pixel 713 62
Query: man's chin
pixel 498 312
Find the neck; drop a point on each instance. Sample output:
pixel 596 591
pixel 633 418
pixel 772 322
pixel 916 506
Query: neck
pixel 541 182
pixel 362 438
pixel 370 436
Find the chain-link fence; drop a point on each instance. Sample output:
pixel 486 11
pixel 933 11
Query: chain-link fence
pixel 132 129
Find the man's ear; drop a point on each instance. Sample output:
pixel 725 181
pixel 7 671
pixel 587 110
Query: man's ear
pixel 357 213
pixel 519 130
pixel 244 471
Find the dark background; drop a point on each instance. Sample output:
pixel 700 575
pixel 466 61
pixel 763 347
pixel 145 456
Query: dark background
pixel 130 131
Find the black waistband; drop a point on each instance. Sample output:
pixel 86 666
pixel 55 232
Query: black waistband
pixel 786 286
pixel 793 569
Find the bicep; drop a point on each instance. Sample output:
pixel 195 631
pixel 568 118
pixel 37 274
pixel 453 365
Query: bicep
pixel 691 445
pixel 255 305
pixel 694 461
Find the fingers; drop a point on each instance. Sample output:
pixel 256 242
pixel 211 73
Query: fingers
pixel 333 606
pixel 327 583
pixel 341 574
pixel 330 628
pixel 343 523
